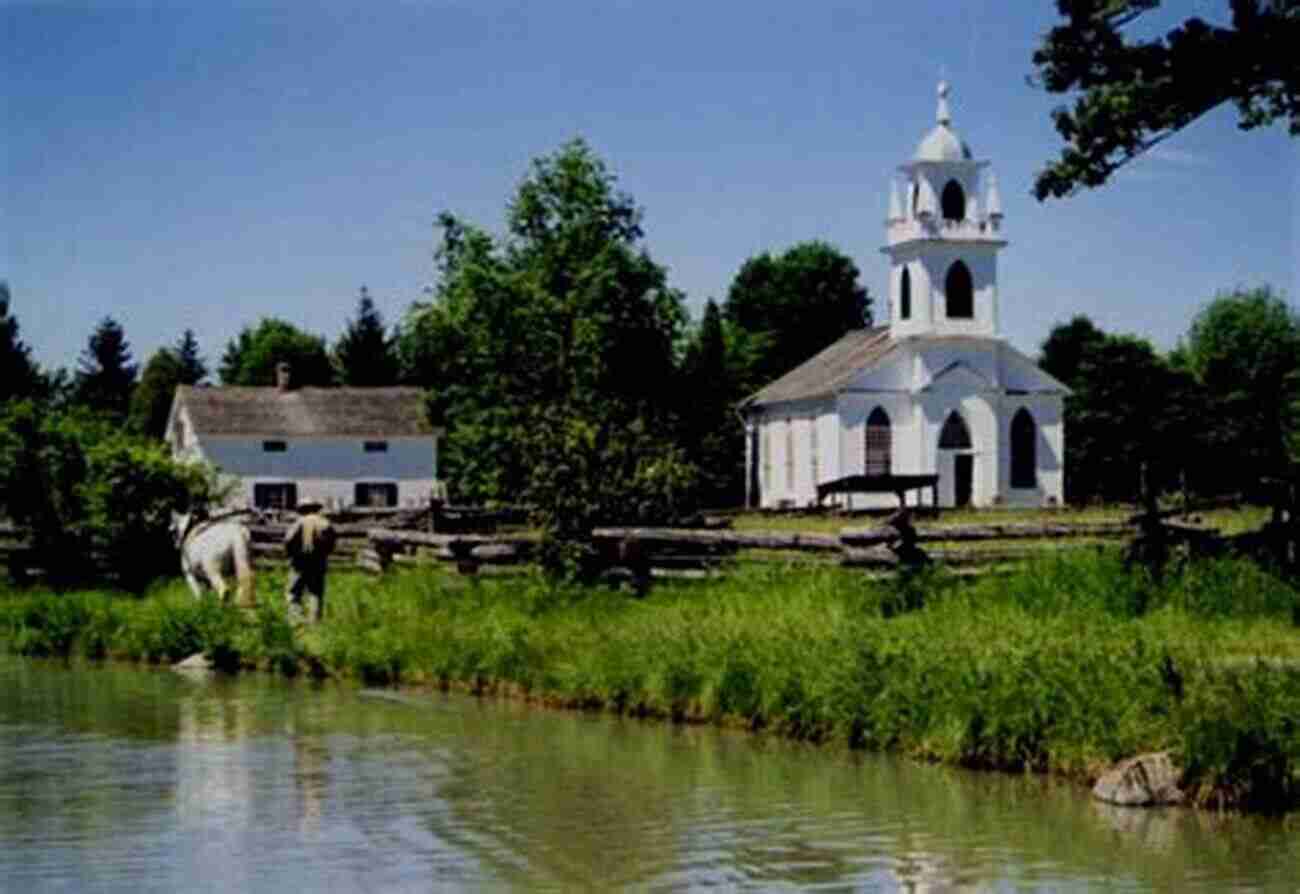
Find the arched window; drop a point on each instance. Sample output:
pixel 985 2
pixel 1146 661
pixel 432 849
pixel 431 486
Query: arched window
pixel 877 444
pixel 916 198
pixel 953 201
pixel 905 295
pixel 1024 450
pixel 959 291
pixel 954 435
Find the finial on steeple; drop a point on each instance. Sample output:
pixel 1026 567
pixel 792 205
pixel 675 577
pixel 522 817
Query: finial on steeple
pixel 944 115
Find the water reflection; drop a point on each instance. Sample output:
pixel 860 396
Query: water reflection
pixel 116 779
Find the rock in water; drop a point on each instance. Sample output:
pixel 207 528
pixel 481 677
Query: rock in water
pixel 1147 780
pixel 196 662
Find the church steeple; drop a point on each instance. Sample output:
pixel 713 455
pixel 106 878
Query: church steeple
pixel 943 251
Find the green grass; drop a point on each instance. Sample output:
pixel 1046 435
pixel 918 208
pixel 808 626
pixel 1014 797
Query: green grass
pixel 1064 666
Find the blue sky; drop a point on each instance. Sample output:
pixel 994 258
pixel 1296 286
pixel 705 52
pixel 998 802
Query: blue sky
pixel 203 165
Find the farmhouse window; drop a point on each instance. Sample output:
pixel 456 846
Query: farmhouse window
pixel 370 493
pixel 954 435
pixel 877 444
pixel 1024 453
pixel 376 446
pixel 274 446
pixel 275 496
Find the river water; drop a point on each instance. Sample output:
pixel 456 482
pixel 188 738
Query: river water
pixel 120 779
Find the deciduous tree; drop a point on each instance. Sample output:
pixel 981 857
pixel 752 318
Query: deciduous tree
pixel 252 356
pixel 792 305
pixel 1244 349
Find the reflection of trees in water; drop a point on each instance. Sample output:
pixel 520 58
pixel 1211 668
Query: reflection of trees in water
pixel 461 789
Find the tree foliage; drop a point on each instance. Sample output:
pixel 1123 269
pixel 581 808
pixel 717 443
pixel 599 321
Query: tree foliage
pixel 788 307
pixel 1244 349
pixel 711 433
pixel 364 354
pixel 152 399
pixel 1135 92
pixel 84 488
pixel 193 368
pixel 252 356
pixel 19 376
pixel 554 340
pixel 105 374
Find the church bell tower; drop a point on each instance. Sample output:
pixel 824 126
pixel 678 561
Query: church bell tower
pixel 942 242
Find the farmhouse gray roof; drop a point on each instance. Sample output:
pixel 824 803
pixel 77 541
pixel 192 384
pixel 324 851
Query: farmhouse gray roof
pixel 306 412
pixel 830 369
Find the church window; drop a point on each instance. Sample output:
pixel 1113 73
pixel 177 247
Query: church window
pixel 953 201
pixel 959 291
pixel 916 197
pixel 1024 452
pixel 877 444
pixel 905 296
pixel 954 435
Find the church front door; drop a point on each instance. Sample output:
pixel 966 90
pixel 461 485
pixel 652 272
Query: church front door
pixel 963 478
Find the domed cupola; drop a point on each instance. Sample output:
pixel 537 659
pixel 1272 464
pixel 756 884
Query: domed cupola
pixel 943 238
pixel 942 143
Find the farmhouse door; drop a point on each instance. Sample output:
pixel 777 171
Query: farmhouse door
pixel 963 477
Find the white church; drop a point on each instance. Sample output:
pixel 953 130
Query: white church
pixel 933 406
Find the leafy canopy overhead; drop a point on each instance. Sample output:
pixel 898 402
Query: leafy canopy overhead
pixel 1135 92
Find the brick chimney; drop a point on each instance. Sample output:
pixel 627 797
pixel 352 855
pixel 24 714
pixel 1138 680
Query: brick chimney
pixel 283 377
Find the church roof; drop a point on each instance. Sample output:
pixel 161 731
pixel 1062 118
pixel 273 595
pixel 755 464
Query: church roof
pixel 833 367
pixel 306 412
pixel 862 349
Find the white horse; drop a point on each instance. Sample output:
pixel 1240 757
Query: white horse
pixel 213 550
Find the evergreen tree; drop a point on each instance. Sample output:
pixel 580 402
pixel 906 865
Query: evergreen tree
pixel 19 376
pixel 364 354
pixel 193 369
pixel 712 435
pixel 105 375
pixel 152 399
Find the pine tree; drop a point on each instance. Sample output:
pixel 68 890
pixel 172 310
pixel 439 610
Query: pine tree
pixel 105 373
pixel 193 369
pixel 18 375
pixel 365 355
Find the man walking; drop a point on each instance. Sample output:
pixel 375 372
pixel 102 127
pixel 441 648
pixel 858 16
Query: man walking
pixel 308 544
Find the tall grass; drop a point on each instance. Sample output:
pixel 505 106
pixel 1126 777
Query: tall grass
pixel 1064 666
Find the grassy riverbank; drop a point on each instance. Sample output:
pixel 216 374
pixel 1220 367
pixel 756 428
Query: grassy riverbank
pixel 1064 666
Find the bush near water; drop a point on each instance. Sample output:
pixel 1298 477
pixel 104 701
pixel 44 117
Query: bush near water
pixel 1066 666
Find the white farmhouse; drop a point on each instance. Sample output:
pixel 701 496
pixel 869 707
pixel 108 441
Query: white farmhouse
pixel 342 446
pixel 933 393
